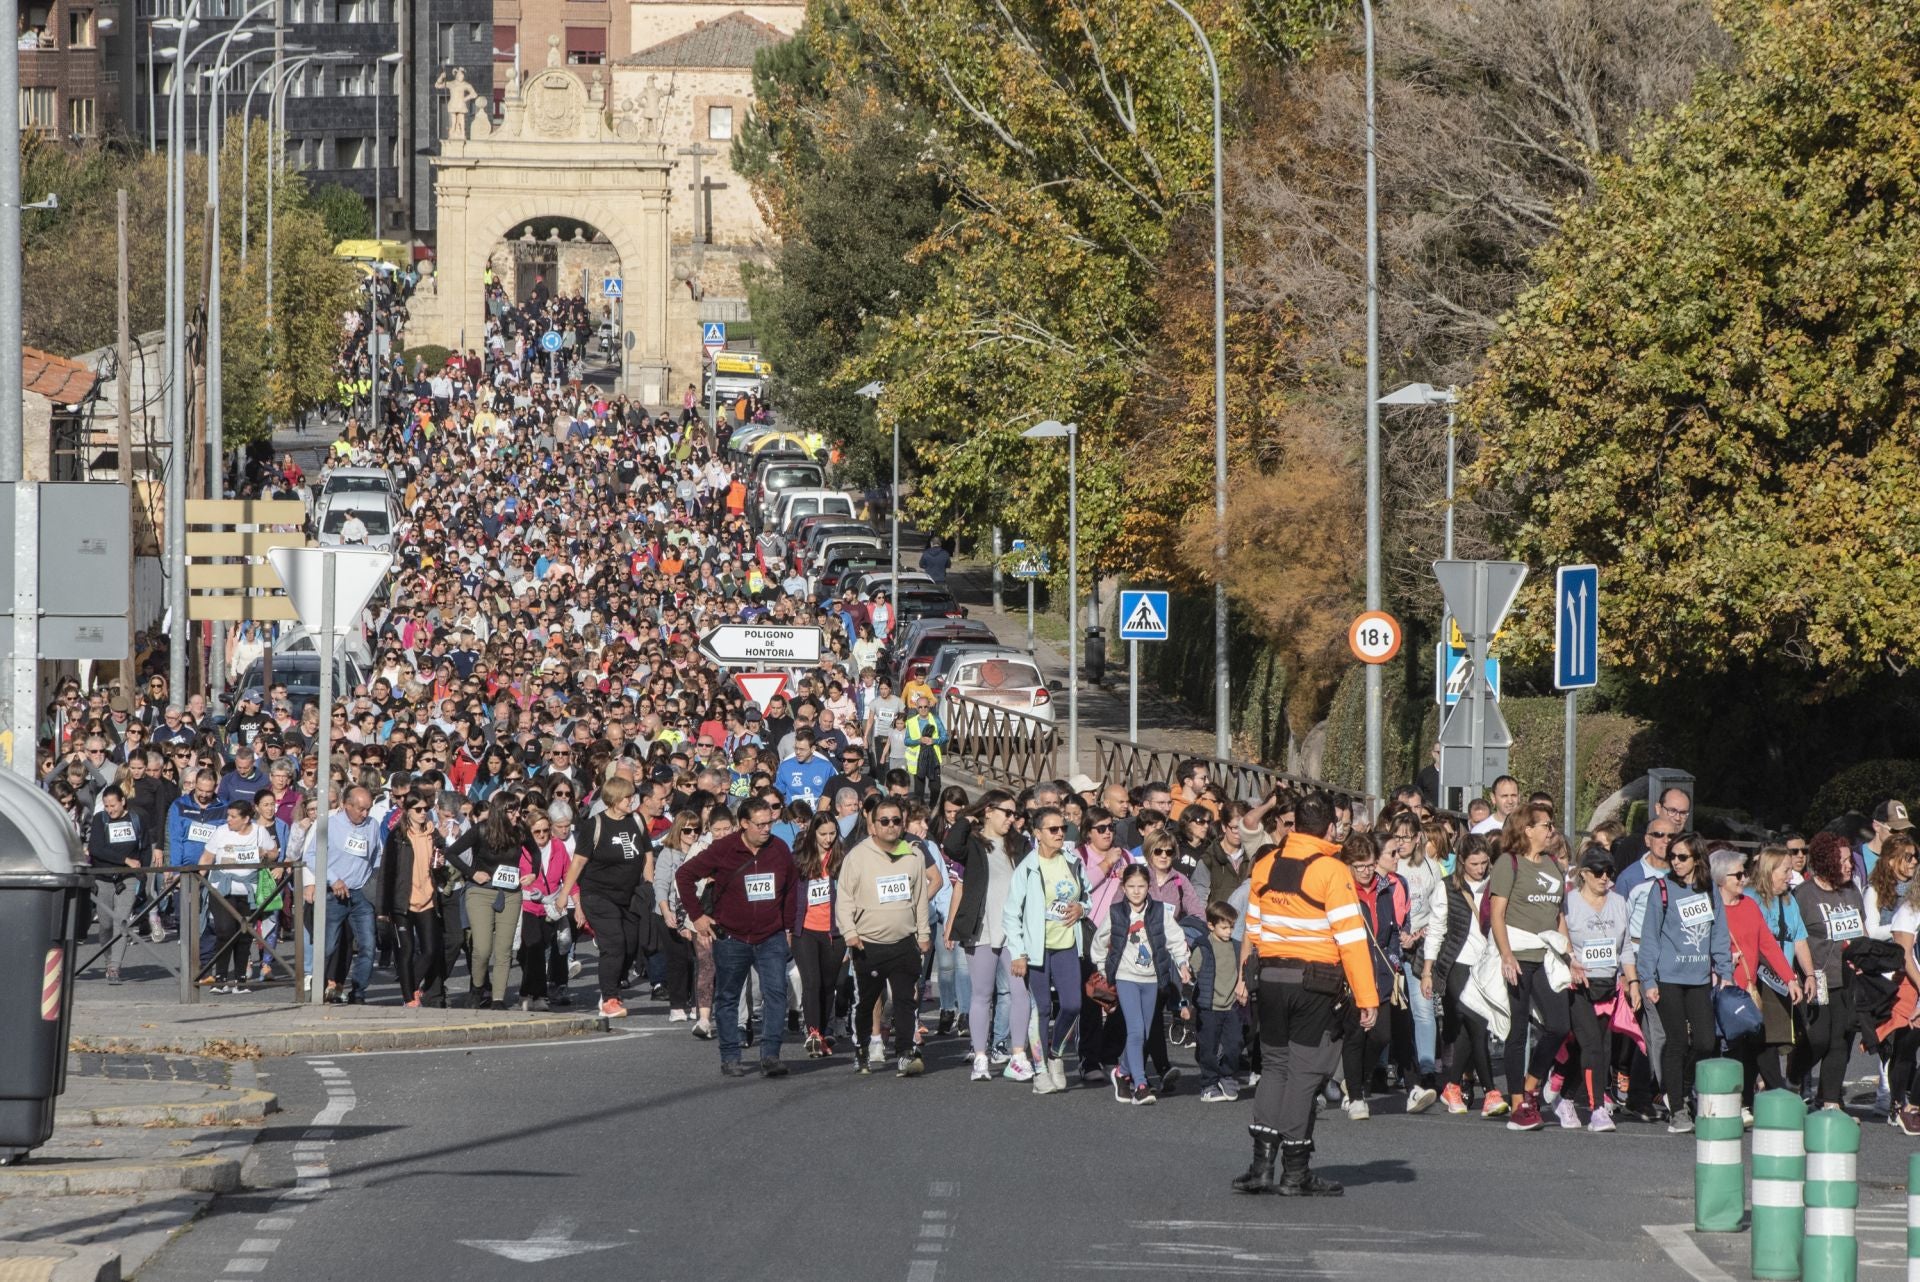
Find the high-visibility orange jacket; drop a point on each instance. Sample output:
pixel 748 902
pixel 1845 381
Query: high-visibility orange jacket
pixel 1318 920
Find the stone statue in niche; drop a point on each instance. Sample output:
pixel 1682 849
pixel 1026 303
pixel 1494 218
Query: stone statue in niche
pixel 460 99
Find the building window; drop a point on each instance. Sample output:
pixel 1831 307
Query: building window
pixel 499 102
pixel 80 120
pixel 443 42
pixel 720 123
pixel 79 28
pixel 504 40
pixel 476 33
pixel 586 46
pixel 39 109
pixel 36 27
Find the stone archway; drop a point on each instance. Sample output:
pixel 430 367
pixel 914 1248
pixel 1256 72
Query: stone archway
pixel 561 151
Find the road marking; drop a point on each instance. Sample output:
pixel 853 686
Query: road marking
pixel 1674 1240
pixel 935 1228
pixel 312 1174
pixel 600 1039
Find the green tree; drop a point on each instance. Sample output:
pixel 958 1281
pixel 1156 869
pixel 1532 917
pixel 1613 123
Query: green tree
pixel 1710 391
pixel 343 212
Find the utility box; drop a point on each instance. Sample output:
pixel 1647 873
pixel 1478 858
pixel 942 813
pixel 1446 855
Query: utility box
pixel 41 902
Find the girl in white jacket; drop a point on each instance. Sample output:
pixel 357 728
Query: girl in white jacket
pixel 1138 956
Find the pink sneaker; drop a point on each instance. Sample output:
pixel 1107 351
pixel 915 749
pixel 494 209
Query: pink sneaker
pixel 1551 1088
pixel 1601 1121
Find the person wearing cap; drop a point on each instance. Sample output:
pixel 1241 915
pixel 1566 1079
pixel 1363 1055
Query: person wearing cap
pixel 249 723
pixel 1889 817
pixel 1597 939
pixel 246 780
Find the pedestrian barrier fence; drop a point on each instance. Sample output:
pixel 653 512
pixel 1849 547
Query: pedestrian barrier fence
pixel 1125 762
pixel 185 957
pixel 1806 1185
pixel 1000 744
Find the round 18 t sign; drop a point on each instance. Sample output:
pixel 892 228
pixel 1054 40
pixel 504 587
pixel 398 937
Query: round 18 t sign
pixel 1374 637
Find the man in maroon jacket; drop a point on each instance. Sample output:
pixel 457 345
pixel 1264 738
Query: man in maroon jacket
pixel 744 913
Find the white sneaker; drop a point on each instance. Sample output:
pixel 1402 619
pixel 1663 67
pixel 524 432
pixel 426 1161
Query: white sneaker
pixel 677 1017
pixel 999 1058
pixel 876 1049
pixel 1567 1115
pixel 1018 1070
pixel 1420 1099
pixel 981 1073
pixel 1253 1079
pixel 573 969
pixel 1357 1110
pixel 1746 1118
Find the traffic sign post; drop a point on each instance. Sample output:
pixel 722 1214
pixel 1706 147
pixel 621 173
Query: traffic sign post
pixel 1474 742
pixel 713 337
pixel 329 587
pixel 1034 563
pixel 1374 637
pixel 751 645
pixel 612 286
pixel 1576 659
pixel 550 344
pixel 1144 616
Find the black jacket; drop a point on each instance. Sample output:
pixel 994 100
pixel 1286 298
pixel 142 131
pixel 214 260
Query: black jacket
pixel 966 848
pixel 1460 916
pixel 396 870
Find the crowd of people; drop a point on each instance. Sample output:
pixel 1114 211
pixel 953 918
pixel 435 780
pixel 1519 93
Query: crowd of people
pixel 540 756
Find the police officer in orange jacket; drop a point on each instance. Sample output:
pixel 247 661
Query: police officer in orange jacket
pixel 1306 950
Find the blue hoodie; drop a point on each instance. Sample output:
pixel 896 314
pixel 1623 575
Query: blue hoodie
pixel 1684 937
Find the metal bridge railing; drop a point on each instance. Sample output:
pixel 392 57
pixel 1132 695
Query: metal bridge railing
pixel 1000 744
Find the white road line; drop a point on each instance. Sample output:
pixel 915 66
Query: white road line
pixel 313 1175
pixel 935 1228
pixel 1674 1240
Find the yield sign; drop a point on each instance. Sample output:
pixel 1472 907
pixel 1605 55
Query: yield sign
pixel 761 687
pixel 356 573
pixel 1479 606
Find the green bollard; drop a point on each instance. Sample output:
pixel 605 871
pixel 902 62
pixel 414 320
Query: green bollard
pixel 1719 1192
pixel 1833 1192
pixel 1779 1169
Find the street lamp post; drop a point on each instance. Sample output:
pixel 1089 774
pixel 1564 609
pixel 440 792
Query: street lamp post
pixel 1428 394
pixel 1375 689
pixel 379 239
pixel 1222 733
pixel 1044 431
pixel 246 138
pixel 872 392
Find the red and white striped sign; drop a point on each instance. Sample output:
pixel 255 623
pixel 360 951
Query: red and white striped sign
pixel 50 984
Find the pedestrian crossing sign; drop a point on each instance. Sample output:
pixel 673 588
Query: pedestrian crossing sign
pixel 1143 616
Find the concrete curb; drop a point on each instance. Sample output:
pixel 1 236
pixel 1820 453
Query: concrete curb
pixel 57 1262
pixel 209 1174
pixel 342 1041
pixel 243 1107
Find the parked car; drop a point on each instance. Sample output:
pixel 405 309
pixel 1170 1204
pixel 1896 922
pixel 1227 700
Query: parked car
pixel 920 639
pixel 796 503
pixel 927 601
pixel 300 673
pixel 839 567
pixel 376 511
pixel 880 579
pixel 1009 681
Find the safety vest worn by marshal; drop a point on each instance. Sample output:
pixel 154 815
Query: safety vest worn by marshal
pixel 1301 906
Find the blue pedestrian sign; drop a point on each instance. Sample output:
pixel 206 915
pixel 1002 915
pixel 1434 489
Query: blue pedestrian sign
pixel 1576 627
pixel 612 286
pixel 1453 663
pixel 713 336
pixel 1143 616
pixel 550 341
pixel 1033 563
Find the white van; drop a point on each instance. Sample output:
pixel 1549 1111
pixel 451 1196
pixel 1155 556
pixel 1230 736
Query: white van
pixel 794 504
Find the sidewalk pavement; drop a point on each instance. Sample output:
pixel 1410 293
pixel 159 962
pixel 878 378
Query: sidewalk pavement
pixel 132 1160
pixel 249 1030
pixel 1103 709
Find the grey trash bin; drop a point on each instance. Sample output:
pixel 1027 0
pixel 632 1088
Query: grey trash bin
pixel 41 899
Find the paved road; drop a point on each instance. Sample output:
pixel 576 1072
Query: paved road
pixel 632 1151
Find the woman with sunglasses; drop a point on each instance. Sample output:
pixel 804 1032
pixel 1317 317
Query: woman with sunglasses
pixel 489 855
pixel 1761 932
pixel 1141 950
pixel 409 898
pixel 1045 904
pixel 818 949
pixel 546 929
pixel 1529 900
pixel 983 844
pixel 1683 954
pixel 1597 938
pixel 1456 940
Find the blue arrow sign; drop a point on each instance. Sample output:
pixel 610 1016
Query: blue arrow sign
pixel 550 341
pixel 1143 616
pixel 1576 627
